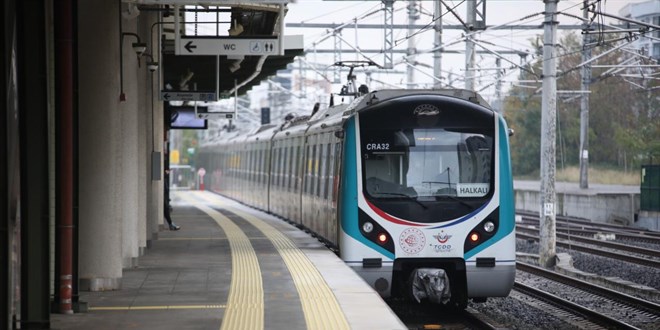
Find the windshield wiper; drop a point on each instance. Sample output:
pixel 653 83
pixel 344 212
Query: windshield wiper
pixel 414 199
pixel 456 199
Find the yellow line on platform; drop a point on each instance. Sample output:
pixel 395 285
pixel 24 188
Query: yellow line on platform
pixel 321 308
pixel 245 305
pixel 142 308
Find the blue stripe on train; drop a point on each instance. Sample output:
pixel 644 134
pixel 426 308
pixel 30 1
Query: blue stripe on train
pixel 349 194
pixel 507 210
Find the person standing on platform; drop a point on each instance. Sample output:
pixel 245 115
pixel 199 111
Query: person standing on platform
pixel 166 199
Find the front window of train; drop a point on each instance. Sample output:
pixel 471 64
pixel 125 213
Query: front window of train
pixel 427 174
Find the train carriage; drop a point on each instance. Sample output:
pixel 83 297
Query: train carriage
pixel 413 187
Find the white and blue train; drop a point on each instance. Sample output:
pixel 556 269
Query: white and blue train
pixel 413 188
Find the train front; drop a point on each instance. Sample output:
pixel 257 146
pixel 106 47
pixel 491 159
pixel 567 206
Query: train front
pixel 428 211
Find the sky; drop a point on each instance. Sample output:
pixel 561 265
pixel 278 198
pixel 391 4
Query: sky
pixel 510 12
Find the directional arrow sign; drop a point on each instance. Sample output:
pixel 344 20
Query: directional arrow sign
pixel 187 96
pixel 189 46
pixel 228 46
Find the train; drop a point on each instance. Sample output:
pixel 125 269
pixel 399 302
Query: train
pixel 412 188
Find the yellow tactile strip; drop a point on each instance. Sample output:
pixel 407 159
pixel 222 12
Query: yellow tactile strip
pixel 319 304
pixel 245 305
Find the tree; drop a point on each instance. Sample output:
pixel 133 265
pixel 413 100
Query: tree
pixel 624 128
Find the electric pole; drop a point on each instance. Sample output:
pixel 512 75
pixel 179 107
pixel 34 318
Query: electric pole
pixel 584 102
pixel 548 240
pixel 437 54
pixel 498 86
pixel 388 31
pixel 413 15
pixel 469 44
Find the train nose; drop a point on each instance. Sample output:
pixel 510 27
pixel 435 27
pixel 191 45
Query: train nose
pixel 430 283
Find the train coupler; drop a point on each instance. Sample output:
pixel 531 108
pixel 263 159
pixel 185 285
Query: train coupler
pixel 430 283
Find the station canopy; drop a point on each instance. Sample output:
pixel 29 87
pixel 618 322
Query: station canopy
pixel 194 65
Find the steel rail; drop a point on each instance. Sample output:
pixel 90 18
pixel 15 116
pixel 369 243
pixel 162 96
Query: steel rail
pixel 608 254
pixel 472 317
pixel 564 304
pixel 611 245
pixel 646 305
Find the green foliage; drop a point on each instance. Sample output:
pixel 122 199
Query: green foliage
pixel 624 123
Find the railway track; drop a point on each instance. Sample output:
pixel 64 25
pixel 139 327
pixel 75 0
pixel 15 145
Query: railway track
pixel 598 251
pixel 594 231
pixel 431 316
pixel 599 305
pixel 629 232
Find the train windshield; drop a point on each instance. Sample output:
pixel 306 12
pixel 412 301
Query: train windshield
pixel 428 163
pixel 427 174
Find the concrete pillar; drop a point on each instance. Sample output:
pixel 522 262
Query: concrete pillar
pixel 154 140
pixel 142 156
pixel 128 149
pixel 100 146
pixel 147 104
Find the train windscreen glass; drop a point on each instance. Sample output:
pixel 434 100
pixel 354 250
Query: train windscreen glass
pixel 427 163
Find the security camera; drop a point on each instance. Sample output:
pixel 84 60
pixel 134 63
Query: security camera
pixel 139 48
pixel 152 66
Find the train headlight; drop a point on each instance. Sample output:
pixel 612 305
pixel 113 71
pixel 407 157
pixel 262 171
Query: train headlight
pixel 474 237
pixel 368 227
pixel 489 226
pixel 382 238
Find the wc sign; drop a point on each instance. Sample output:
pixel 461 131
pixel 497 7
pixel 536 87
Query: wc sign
pixel 227 46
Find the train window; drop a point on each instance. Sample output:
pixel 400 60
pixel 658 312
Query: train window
pixel 321 171
pixel 296 168
pixel 279 167
pixel 315 166
pixel 290 164
pixel 307 168
pixel 335 179
pixel 328 166
pixel 431 162
pixel 285 166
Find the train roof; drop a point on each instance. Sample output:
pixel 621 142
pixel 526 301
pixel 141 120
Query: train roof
pixel 388 94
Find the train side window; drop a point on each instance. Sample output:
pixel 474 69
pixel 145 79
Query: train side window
pixel 314 164
pixel 326 172
pixel 273 162
pixel 320 170
pixel 285 166
pixel 280 170
pixel 297 168
pixel 335 181
pixel 290 165
pixel 307 169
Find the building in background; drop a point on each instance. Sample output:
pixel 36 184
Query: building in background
pixel 647 12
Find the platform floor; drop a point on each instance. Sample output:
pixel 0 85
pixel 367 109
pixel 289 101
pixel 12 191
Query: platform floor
pixel 232 267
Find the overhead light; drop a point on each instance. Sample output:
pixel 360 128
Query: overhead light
pixel 139 48
pixel 236 29
pixel 131 12
pixel 152 66
pixel 234 66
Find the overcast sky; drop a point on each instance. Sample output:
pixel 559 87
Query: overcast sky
pixel 497 12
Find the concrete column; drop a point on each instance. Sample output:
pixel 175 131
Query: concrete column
pixel 145 134
pixel 142 156
pixel 100 145
pixel 128 149
pixel 154 143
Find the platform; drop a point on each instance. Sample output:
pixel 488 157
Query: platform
pixel 232 267
pixel 616 204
